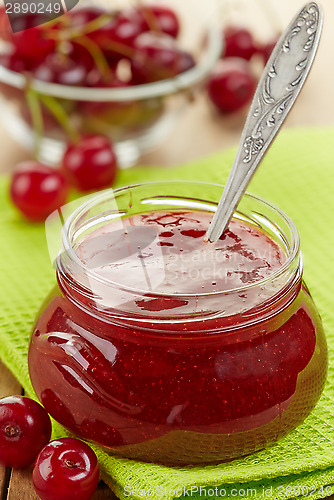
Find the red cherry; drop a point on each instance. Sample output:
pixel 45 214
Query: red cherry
pixel 90 164
pixel 157 57
pixel 231 85
pixel 13 62
pixel 114 37
pixel 239 42
pixel 37 190
pixel 66 72
pixel 66 469
pixel 70 68
pixel 159 18
pixel 124 28
pixel 25 427
pixel 31 42
pixel 117 38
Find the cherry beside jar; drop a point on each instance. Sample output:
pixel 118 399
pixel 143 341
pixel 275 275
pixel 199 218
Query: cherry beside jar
pixel 164 348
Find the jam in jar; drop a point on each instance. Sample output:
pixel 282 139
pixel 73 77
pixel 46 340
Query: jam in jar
pixel 162 347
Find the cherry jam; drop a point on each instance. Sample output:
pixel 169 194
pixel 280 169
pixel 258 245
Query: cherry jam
pixel 161 347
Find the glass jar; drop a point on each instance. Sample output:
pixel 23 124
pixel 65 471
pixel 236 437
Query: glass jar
pixel 175 378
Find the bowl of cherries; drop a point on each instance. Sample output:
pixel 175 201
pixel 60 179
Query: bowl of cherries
pixel 121 73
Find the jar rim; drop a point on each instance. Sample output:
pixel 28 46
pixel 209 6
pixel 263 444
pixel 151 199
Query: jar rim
pixel 68 250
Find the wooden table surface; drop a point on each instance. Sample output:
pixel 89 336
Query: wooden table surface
pixel 199 132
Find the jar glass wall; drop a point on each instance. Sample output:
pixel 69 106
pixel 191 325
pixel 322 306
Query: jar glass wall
pixel 185 374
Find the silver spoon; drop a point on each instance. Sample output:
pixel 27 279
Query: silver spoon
pixel 278 88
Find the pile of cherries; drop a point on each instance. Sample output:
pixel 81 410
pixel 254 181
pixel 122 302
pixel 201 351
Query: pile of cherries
pixel 63 469
pixel 86 48
pixel 233 80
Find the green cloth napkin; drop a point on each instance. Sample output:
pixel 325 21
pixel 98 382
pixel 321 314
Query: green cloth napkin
pixel 297 175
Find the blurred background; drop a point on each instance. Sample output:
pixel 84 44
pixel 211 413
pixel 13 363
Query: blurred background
pixel 201 129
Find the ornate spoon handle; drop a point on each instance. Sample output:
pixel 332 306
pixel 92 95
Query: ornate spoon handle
pixel 278 88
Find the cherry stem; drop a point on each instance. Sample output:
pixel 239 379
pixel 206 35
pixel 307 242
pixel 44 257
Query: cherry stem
pixel 52 22
pixel 97 54
pixel 100 127
pixel 70 33
pixel 61 116
pixel 36 117
pixel 120 48
pixel 94 25
pixel 151 19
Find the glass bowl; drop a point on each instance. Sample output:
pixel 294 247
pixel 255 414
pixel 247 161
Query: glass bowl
pixel 135 118
pixel 176 378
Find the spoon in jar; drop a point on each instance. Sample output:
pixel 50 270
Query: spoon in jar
pixel 278 88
